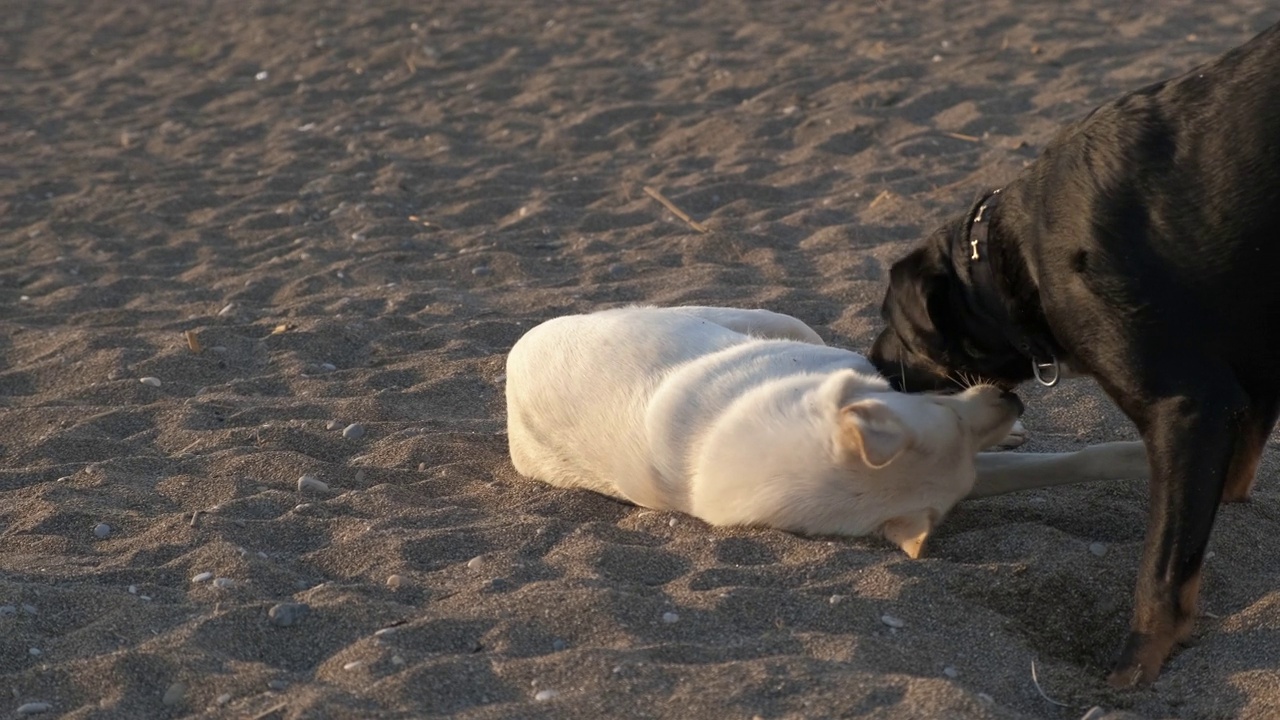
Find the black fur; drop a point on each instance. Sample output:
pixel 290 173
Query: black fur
pixel 1143 248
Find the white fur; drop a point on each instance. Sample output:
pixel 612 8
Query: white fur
pixel 740 417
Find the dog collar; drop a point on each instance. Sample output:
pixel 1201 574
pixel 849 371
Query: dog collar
pixel 987 301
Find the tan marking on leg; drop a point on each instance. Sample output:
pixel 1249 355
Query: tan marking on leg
pixel 1244 467
pixel 1188 608
pixel 1156 632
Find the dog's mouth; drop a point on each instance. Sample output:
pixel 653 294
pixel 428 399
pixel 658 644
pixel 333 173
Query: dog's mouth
pixel 1013 399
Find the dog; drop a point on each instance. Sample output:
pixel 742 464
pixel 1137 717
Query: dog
pixel 745 417
pixel 1139 249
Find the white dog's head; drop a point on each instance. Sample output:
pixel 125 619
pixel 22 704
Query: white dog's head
pixel 849 456
pixel 912 456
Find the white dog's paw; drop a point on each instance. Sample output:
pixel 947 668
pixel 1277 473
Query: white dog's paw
pixel 1017 435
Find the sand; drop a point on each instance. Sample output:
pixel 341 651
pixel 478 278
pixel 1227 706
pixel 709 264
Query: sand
pixel 355 212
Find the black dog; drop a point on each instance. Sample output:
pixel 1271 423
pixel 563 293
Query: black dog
pixel 1141 248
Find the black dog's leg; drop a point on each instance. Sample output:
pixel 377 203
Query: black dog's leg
pixel 1253 439
pixel 1190 432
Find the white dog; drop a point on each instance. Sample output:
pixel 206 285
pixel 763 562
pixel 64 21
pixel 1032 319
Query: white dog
pixel 745 417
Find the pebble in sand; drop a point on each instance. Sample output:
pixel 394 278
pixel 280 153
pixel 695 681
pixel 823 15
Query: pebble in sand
pixel 893 622
pixel 309 482
pixel 288 614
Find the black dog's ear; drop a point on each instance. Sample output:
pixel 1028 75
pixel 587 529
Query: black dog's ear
pixel 916 304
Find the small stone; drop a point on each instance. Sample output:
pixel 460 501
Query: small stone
pixel 422 467
pixel 333 425
pixel 101 531
pixel 8 611
pixel 222 699
pixel 202 577
pixel 278 685
pixel 670 617
pixel 354 431
pixel 328 367
pixel 475 562
pixel 558 645
pixel 397 660
pixel 892 621
pixel 395 581
pixel 1098 549
pixel 35 652
pixel 227 309
pixel 224 583
pixel 34 708
pixel 353 665
pixel 835 599
pixel 383 632
pixel 546 694
pixel 481 271
pixel 672 522
pixel 309 482
pixel 951 672
pixel 176 693
pixel 288 614
pixel 151 381
pixel 133 589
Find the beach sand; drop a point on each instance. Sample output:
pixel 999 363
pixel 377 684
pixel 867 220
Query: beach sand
pixel 300 216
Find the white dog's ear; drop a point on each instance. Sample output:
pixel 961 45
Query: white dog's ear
pixel 873 432
pixel 909 532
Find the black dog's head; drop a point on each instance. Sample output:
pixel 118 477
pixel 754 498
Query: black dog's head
pixel 933 341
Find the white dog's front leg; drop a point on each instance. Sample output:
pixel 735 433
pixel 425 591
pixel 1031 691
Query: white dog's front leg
pixel 1000 473
pixel 1016 437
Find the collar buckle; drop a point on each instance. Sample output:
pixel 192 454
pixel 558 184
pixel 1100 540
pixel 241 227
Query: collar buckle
pixel 1039 369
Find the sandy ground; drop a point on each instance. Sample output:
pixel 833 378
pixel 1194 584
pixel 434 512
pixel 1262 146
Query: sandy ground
pixel 355 213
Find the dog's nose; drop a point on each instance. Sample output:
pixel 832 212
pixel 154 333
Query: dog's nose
pixel 1013 399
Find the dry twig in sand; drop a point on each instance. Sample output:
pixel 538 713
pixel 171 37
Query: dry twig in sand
pixel 1036 681
pixel 651 192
